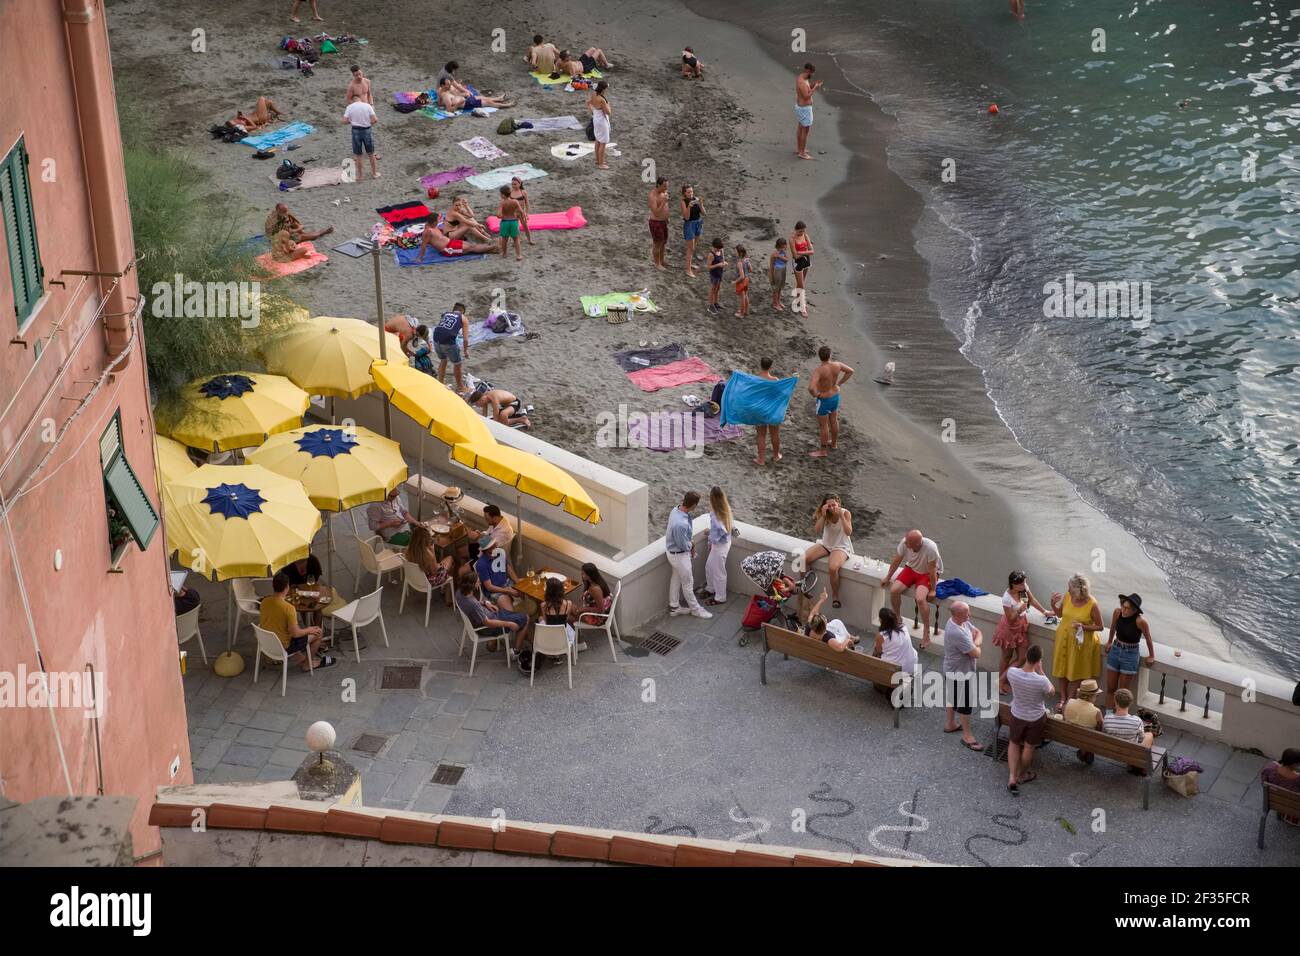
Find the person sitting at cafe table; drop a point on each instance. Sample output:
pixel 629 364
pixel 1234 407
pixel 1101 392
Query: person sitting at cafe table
pixel 279 617
pixel 303 572
pixel 500 532
pixel 185 600
pixel 390 520
pixel 482 613
pixel 497 576
pixel 423 554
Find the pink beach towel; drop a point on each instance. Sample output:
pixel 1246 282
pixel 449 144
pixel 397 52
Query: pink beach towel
pixel 674 373
pixel 298 265
pixel 571 218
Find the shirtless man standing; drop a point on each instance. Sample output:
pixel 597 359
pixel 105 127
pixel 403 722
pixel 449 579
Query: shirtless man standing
pixel 659 221
pixel 452 101
pixel 360 85
pixel 804 88
pixel 825 387
pixel 542 55
pixel 766 431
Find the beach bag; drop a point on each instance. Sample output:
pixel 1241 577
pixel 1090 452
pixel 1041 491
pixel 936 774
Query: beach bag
pixel 1186 784
pixel 506 126
pixel 759 612
pixel 288 169
pixel 499 324
pixel 406 107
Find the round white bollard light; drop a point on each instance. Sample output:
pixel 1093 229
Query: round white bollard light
pixel 320 736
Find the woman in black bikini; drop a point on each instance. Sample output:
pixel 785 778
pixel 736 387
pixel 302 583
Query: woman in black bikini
pixel 520 195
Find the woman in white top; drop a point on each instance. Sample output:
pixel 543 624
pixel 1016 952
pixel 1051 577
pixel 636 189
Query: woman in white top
pixel 600 114
pixel 894 644
pixel 835 525
pixel 721 528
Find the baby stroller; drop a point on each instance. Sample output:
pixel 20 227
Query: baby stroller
pixel 779 600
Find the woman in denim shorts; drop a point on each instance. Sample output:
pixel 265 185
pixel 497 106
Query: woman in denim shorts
pixel 1128 628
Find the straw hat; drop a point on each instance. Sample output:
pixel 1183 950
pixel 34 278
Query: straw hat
pixel 1088 688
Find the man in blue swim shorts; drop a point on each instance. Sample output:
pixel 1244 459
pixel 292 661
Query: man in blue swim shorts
pixel 804 88
pixel 825 387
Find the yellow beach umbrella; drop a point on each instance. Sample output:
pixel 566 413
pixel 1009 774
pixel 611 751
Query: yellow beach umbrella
pixel 329 356
pixel 238 521
pixel 237 410
pixel 446 415
pixel 173 460
pixel 339 467
pixel 530 475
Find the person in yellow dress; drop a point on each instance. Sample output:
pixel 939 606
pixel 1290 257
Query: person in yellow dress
pixel 1077 655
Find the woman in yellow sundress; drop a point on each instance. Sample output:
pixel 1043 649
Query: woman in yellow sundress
pixel 1078 646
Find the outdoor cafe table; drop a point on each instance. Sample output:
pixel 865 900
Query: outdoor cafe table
pixel 534 589
pixel 310 599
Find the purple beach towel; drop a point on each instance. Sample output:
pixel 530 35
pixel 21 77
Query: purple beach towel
pixel 666 431
pixel 446 176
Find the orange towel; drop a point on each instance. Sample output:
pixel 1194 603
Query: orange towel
pixel 298 265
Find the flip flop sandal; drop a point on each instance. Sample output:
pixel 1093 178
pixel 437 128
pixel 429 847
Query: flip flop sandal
pixel 954 730
pixel 1014 791
pixel 977 746
pixel 326 661
pixel 1030 777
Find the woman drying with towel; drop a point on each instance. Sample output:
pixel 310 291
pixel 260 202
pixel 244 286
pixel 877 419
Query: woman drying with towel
pixel 600 113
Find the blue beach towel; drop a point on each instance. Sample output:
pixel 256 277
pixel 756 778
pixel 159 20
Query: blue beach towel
pixel 956 587
pixel 750 400
pixel 411 257
pixel 278 137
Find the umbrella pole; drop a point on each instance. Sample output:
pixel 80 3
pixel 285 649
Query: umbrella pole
pixel 329 546
pixel 419 502
pixel 519 529
pixel 334 412
pixel 383 344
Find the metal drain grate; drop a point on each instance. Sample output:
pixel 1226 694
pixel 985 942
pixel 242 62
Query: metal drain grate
pixel 661 643
pixel 448 774
pixel 369 743
pixel 402 678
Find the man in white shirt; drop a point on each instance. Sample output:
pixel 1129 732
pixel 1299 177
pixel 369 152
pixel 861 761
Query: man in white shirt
pixel 1030 688
pixel 361 116
pixel 919 556
pixel 499 532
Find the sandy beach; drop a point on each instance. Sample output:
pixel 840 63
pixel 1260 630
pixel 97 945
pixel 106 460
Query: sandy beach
pixel 990 505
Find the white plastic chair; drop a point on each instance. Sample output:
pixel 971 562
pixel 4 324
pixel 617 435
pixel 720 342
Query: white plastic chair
pixel 246 602
pixel 377 562
pixel 551 639
pixel 364 610
pixel 414 579
pixel 187 627
pixel 476 637
pixel 607 622
pixel 269 645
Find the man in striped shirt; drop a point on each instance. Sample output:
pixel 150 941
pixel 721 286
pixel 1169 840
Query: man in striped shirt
pixel 1120 723
pixel 1030 688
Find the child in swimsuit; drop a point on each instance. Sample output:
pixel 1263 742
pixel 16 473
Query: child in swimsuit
pixel 509 213
pixel 776 265
pixel 520 195
pixel 717 266
pixel 743 270
pixel 803 251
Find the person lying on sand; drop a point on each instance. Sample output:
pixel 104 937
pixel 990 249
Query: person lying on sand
pixel 586 62
pixel 692 67
pixel 281 219
pixel 501 406
pixel 263 114
pixel 452 101
pixel 284 249
pixel 434 236
pixel 542 55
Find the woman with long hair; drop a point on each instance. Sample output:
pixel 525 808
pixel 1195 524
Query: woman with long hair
pixel 556 608
pixel 1128 628
pixel 1012 634
pixel 600 113
pixel 721 530
pixel 420 552
pixel 596 595
pixel 893 643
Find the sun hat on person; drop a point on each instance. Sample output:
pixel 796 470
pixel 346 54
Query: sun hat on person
pixel 1088 688
pixel 1134 599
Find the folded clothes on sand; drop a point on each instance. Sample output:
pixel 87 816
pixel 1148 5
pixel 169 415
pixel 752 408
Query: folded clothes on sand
pixel 403 212
pixel 664 431
pixel 432 257
pixel 278 137
pixel 547 124
pixel 598 305
pixel 501 176
pixel 750 400
pixel 571 218
pixel 297 265
pixel 480 332
pixel 483 148
pixel 435 180
pixel 634 360
pixel 674 373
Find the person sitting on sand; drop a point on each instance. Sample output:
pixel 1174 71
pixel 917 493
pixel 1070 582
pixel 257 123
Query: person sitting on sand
pixel 832 633
pixel 834 523
pixel 282 220
pixel 509 213
pixel 586 62
pixel 501 406
pixel 453 101
pixel 692 67
pixel 448 74
pixel 263 114
pixel 284 249
pixel 542 55
pixel 434 236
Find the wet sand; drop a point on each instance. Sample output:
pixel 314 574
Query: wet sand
pixel 990 506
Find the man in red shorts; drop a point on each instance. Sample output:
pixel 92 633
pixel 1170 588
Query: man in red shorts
pixel 921 566
pixel 659 221
pixel 434 236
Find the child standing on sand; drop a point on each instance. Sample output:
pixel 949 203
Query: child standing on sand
pixel 717 266
pixel 776 265
pixel 509 213
pixel 520 194
pixel 743 269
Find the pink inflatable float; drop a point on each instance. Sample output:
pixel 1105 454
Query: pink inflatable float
pixel 572 218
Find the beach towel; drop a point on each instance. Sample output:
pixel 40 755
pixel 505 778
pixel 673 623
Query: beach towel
pixel 290 268
pixel 956 587
pixel 665 431
pixel 571 218
pixel 547 124
pixel 501 176
pixel 674 373
pixel 399 213
pixel 544 79
pixel 312 178
pixel 438 180
pixel 480 332
pixel 278 137
pixel 432 257
pixel 571 151
pixel 483 148
pixel 635 359
pixel 598 305
pixel 356 248
pixel 750 400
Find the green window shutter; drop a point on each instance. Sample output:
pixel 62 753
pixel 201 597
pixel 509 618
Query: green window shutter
pixel 25 267
pixel 130 499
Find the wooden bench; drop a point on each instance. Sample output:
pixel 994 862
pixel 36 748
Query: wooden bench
pixel 1283 801
pixel 1152 759
pixel 810 649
